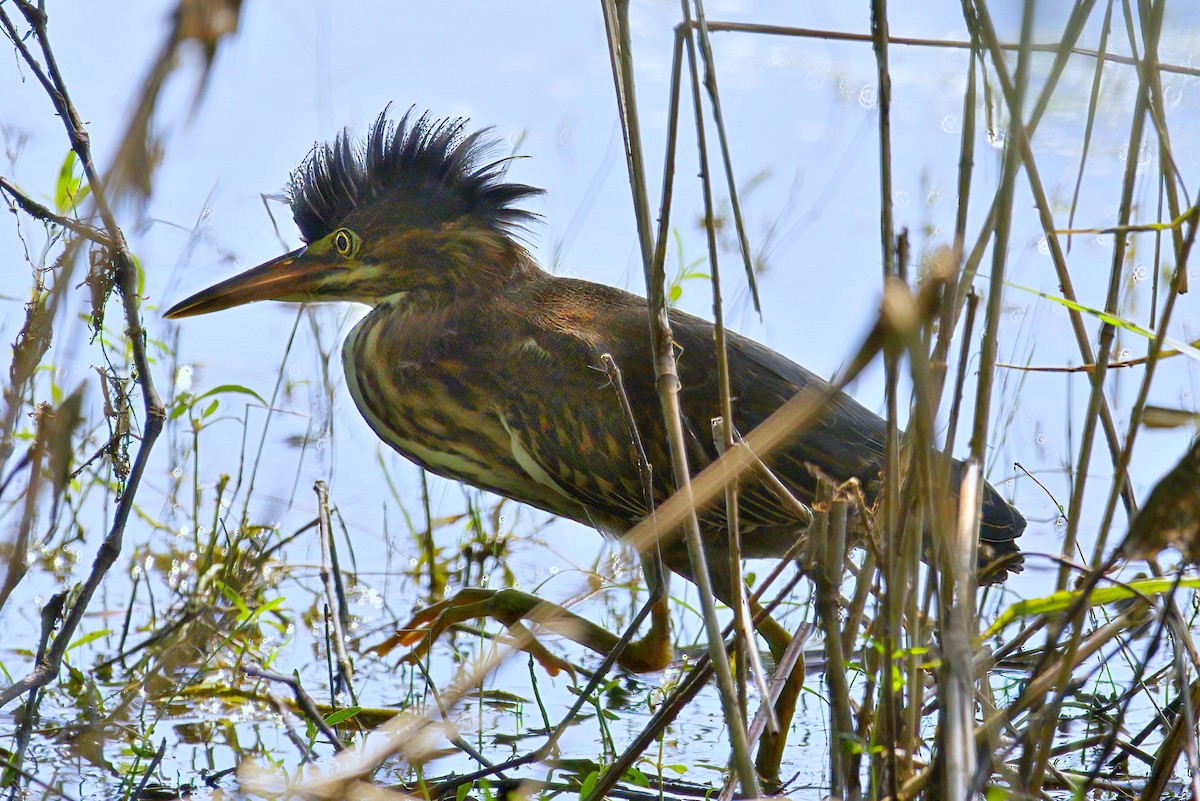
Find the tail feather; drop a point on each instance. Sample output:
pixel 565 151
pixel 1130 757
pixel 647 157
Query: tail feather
pixel 1002 524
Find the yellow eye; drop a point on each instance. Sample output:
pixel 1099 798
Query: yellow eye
pixel 345 242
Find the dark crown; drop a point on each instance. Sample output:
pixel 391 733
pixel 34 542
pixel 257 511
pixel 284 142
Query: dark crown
pixel 430 165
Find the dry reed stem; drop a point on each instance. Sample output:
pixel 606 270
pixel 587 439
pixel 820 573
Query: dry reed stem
pixel 724 396
pixel 667 379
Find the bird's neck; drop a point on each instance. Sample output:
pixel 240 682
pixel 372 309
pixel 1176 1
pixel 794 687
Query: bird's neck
pixel 466 266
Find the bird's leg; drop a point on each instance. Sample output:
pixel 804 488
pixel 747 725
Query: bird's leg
pixel 770 750
pixel 514 608
pixel 653 651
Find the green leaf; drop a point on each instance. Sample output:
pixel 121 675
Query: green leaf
pixel 144 749
pixel 1112 319
pixel 334 718
pixel 141 274
pixel 85 639
pixel 226 389
pixel 270 605
pixel 234 598
pixel 260 610
pixel 1178 222
pixel 67 185
pixel 1062 601
pixel 589 783
pixel 637 778
pixel 997 793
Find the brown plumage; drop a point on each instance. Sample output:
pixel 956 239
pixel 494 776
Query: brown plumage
pixel 1170 517
pixel 481 367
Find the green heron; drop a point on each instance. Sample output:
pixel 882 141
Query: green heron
pixel 481 367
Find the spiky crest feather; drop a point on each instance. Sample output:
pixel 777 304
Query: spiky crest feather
pixel 433 165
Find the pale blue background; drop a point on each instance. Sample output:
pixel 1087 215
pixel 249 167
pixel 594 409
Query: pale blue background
pixel 800 113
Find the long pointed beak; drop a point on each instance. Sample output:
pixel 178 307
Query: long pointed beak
pixel 284 278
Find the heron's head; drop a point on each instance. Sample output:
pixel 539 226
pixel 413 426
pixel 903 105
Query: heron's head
pixel 421 204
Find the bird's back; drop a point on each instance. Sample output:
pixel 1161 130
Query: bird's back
pixel 523 366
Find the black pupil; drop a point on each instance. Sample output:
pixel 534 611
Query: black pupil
pixel 343 242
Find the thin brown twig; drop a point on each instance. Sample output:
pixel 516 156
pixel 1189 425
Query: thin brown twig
pixel 652 565
pixel 281 708
pixel 303 700
pixel 1170 175
pixel 1087 368
pixel 954 44
pixel 126 274
pixel 335 595
pixel 51 615
pixel 616 21
pixel 1107 330
pixel 1042 205
pixel 696 680
pixel 886 764
pixel 725 398
pixel 710 84
pixel 457 740
pixel 1020 134
pixel 1093 105
pixel 830 553
pixel 1061 511
pixel 645 469
pixel 40 212
pixel 802 513
pixel 150 768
